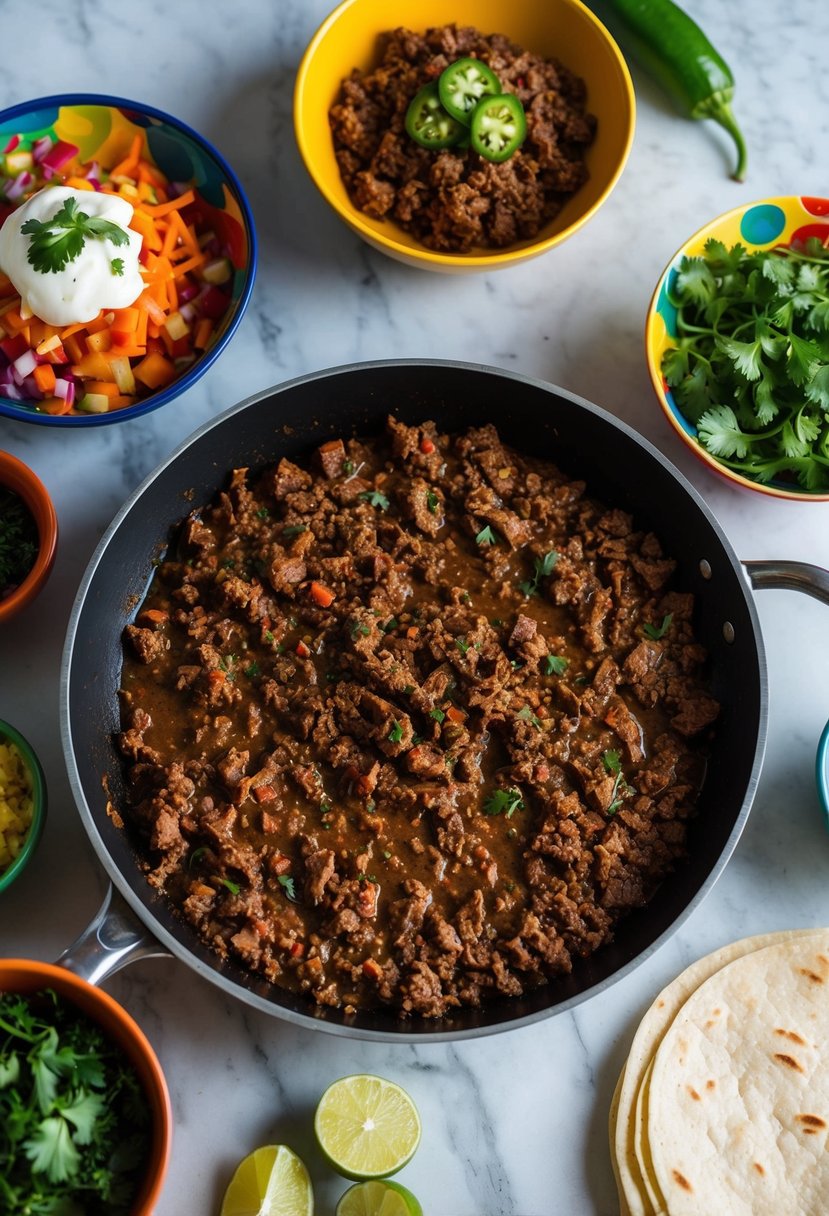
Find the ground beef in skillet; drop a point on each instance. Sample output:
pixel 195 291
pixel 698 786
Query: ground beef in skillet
pixel 397 728
pixel 455 200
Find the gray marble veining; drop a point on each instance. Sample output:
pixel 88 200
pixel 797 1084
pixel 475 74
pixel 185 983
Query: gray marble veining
pixel 515 1124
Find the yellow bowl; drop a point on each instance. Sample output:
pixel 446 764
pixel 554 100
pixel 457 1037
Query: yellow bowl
pixel 561 29
pixel 759 225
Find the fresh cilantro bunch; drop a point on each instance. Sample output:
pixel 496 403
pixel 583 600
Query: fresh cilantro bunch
pixel 58 241
pixel 74 1123
pixel 751 367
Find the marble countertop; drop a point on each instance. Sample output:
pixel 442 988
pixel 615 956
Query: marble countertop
pixel 514 1124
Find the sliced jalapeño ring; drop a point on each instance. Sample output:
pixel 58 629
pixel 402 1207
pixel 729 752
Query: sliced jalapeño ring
pixel 428 123
pixel 462 85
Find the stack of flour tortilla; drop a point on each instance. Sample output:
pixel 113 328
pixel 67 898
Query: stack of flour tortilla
pixel 722 1108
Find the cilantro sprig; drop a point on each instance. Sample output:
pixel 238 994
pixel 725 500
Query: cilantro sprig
pixel 542 567
pixel 74 1123
pixel 750 369
pixel 505 802
pixel 60 240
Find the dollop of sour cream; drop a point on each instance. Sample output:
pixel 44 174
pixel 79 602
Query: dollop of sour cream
pixel 85 286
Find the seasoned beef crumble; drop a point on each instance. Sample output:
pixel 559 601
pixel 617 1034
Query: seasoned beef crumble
pixel 455 200
pixel 397 729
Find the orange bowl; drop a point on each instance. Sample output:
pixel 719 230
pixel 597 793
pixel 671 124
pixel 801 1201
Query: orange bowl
pixel 19 478
pixel 26 976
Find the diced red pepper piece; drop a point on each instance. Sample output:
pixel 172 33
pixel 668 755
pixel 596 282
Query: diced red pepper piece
pixel 303 651
pixel 426 446
pixel 14 347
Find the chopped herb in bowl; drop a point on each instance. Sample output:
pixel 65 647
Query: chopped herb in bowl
pixel 74 1120
pixel 18 541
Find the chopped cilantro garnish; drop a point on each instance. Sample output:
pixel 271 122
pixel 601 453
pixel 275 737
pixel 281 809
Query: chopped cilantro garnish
pixel 542 567
pixel 396 732
pixel 263 513
pixel 432 501
pixel 612 761
pixel 437 714
pixel 359 630
pixel 252 670
pixel 408 690
pixel 486 536
pixel 117 267
pixel 294 529
pixel 504 802
pixel 390 624
pixel 348 467
pixel 269 636
pixel 233 887
pixel 375 498
pixel 462 645
pixel 287 883
pixel 527 715
pixel 555 665
pixel 655 632
pixel 60 240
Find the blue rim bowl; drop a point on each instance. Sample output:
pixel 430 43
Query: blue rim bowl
pixel 100 123
pixel 822 772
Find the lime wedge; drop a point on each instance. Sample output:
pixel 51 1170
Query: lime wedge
pixel 378 1199
pixel 272 1181
pixel 367 1127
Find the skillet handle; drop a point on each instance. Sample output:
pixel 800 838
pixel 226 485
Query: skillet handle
pixel 790 576
pixel 114 938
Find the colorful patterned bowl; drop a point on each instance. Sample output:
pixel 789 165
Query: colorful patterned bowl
pixel 561 29
pixel 104 128
pixel 760 225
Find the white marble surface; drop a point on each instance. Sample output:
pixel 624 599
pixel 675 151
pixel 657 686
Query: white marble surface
pixel 514 1125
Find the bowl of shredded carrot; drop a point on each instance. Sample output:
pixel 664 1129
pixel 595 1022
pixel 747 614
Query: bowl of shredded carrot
pixel 193 229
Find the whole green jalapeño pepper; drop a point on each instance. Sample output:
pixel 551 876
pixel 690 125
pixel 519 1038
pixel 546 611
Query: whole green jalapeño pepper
pixel 674 50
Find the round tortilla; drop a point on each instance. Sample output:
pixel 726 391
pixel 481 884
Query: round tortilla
pixel 643 1048
pixel 624 1210
pixel 738 1099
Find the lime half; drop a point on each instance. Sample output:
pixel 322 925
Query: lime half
pixel 272 1181
pixel 378 1199
pixel 367 1127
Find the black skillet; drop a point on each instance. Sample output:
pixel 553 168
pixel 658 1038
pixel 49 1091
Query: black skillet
pixel 620 468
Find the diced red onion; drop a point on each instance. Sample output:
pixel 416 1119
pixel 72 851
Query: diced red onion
pixel 25 364
pixel 60 155
pixel 40 147
pixel 13 143
pixel 19 185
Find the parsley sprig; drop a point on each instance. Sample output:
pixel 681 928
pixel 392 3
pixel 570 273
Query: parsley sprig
pixel 18 539
pixel 58 241
pixel 74 1123
pixel 612 762
pixel 750 369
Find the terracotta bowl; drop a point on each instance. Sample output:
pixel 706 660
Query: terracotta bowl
pixel 26 976
pixel 19 478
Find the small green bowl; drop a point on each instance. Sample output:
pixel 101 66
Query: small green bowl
pixel 9 735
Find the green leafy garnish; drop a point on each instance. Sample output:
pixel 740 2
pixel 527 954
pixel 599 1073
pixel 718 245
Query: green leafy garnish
pixel 437 714
pixel 503 802
pixel 750 368
pixel 462 645
pixel 233 887
pixel 359 630
pixel 655 632
pixel 67 1097
pixel 432 501
pixel 18 540
pixel 486 536
pixel 542 567
pixel 396 732
pixel 612 762
pixel 287 883
pixel 293 529
pixel 375 498
pixel 555 665
pixel 251 670
pixel 117 266
pixel 60 240
pixel 527 715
